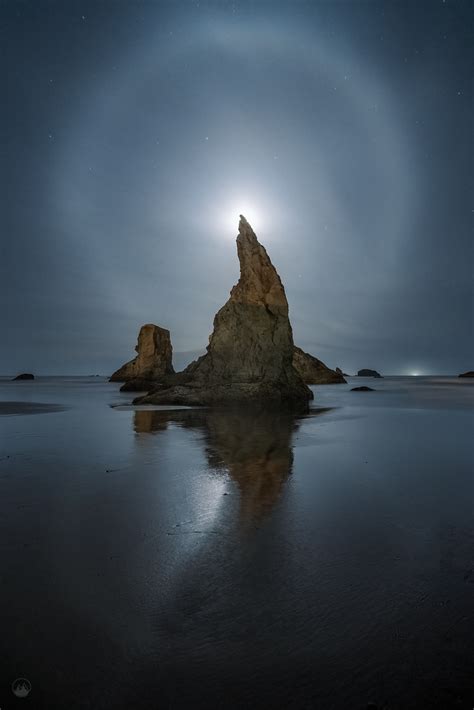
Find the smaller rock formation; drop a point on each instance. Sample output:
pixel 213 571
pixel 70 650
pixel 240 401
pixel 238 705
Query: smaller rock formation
pixel 313 371
pixel 469 373
pixel 362 389
pixel 154 359
pixel 368 373
pixel 340 372
pixel 24 376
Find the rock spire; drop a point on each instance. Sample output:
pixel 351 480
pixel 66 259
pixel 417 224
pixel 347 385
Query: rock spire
pixel 250 353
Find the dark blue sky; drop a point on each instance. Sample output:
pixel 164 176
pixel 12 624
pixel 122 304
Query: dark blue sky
pixel 134 133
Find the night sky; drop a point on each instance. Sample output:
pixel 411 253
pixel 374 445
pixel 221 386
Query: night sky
pixel 134 133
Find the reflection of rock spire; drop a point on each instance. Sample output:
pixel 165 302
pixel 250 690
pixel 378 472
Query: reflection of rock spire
pixel 257 452
pixel 250 353
pixel 254 447
pixel 146 421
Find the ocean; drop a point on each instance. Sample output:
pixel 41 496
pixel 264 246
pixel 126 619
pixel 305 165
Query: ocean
pixel 190 558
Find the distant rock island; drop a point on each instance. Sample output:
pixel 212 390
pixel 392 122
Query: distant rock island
pixel 250 353
pixel 154 359
pixel 469 373
pixel 313 371
pixel 24 376
pixel 368 373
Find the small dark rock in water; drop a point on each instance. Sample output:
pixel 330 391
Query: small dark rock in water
pixel 469 373
pixel 24 376
pixel 362 389
pixel 368 373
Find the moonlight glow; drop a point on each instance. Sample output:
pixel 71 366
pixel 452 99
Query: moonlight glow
pixel 229 217
pixel 149 138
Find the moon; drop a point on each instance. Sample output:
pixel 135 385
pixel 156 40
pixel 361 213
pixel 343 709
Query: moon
pixel 231 215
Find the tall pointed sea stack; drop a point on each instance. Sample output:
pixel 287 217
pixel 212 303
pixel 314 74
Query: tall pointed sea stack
pixel 250 353
pixel 154 357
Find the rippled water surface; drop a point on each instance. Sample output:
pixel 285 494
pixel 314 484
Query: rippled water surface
pixel 199 559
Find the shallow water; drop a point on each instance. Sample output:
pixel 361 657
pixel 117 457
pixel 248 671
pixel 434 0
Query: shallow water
pixel 188 559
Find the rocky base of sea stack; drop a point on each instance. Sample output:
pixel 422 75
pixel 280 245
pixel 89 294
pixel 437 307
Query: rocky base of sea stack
pixel 314 371
pixel 138 385
pixel 228 395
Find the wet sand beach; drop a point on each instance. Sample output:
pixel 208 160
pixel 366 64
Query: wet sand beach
pixel 190 558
